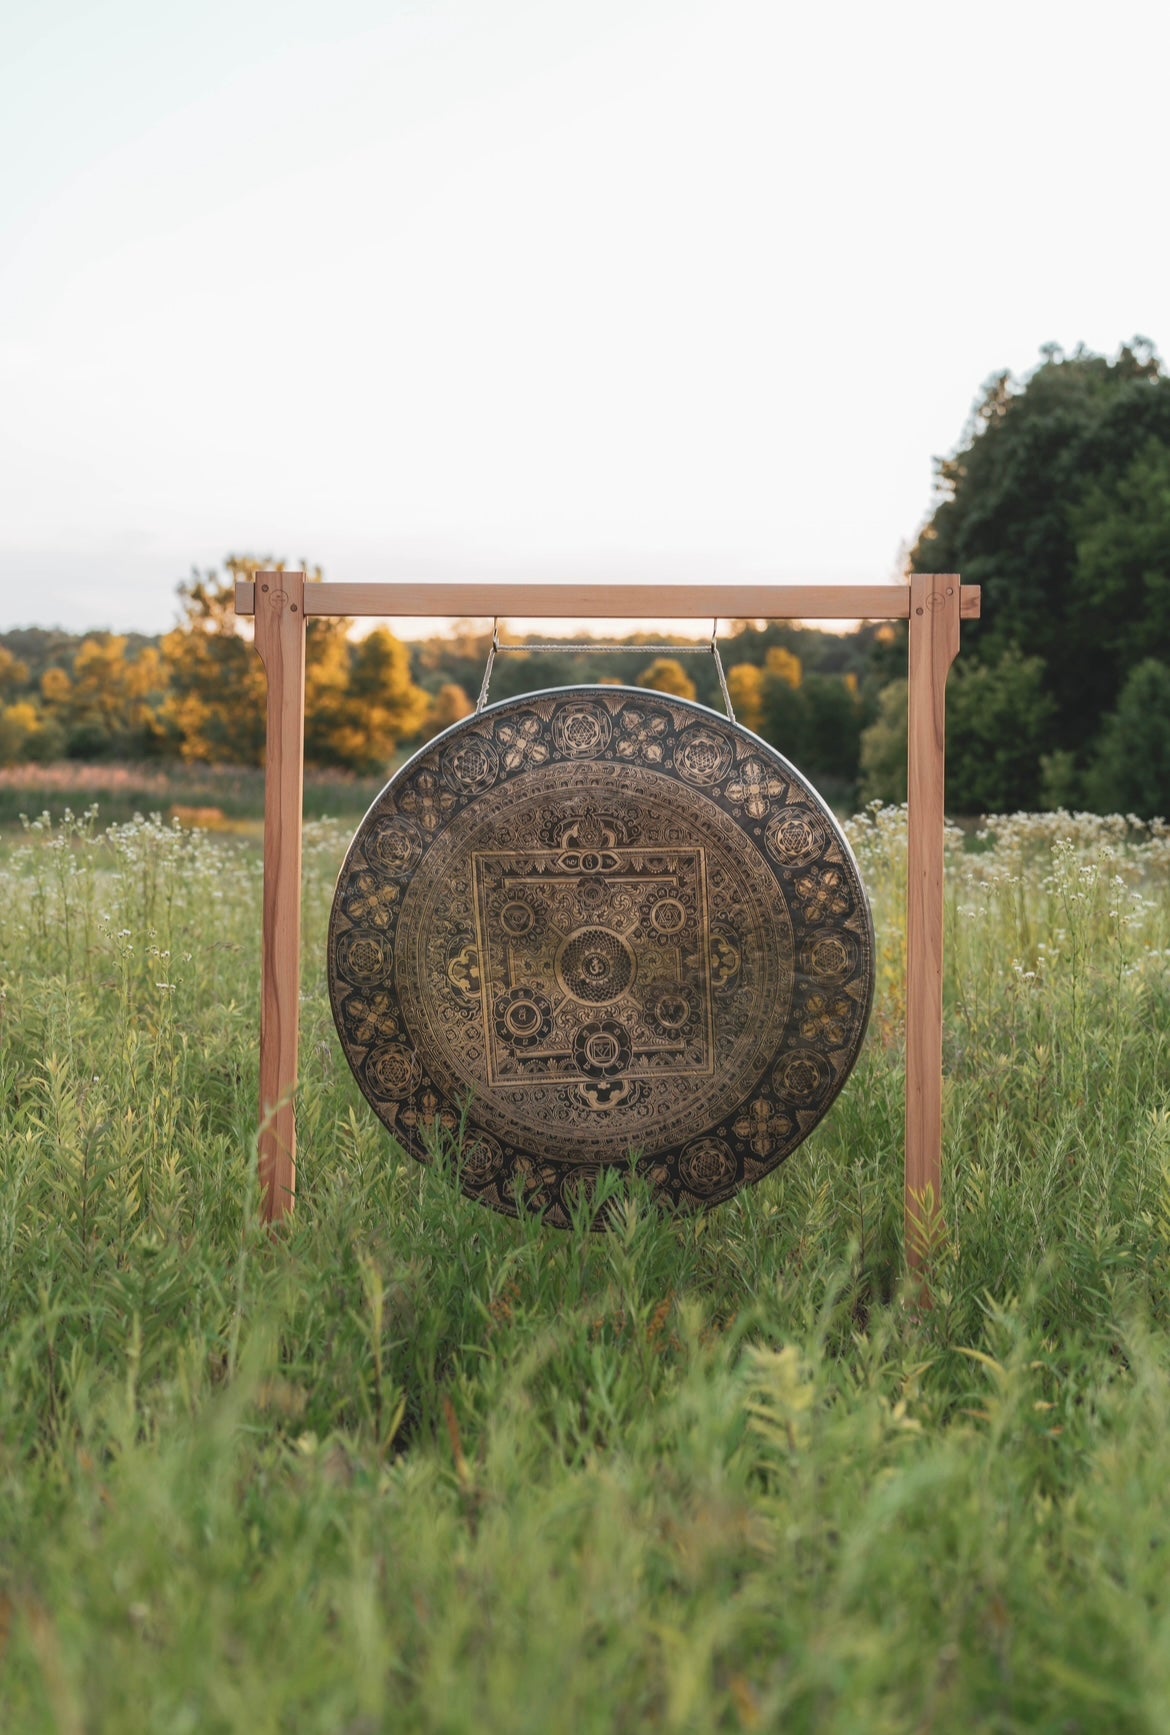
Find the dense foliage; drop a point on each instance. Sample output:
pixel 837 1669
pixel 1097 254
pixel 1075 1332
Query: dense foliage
pixel 416 1467
pixel 199 693
pixel 1057 502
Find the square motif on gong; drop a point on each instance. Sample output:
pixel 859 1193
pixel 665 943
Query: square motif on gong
pixel 594 965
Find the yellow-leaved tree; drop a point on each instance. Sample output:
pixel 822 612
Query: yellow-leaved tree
pixel 20 724
pixel 13 673
pixel 360 700
pixel 667 675
pixel 449 705
pixel 215 704
pixel 20 719
pixel 745 683
pixel 112 704
pixel 785 665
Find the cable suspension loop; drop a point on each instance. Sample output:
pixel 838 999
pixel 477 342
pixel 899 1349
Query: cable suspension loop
pixel 711 649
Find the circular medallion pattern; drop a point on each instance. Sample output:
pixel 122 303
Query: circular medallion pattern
pixel 703 755
pixel 522 1017
pixel 581 730
pixel 602 1050
pixel 707 1166
pixel 595 965
pixel 596 926
pixel 394 846
pixel 469 767
pixel 363 959
pixel 393 1071
pixel 795 836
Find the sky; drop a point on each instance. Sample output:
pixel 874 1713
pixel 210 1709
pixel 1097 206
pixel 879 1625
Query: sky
pixel 618 290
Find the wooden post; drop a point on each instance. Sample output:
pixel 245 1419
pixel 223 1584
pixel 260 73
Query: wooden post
pixel 934 644
pixel 280 640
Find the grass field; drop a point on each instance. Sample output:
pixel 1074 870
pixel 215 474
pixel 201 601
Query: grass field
pixel 415 1467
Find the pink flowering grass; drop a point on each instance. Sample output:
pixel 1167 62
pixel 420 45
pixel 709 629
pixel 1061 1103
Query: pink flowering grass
pixel 120 791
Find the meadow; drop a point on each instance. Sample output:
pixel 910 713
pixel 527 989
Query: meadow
pixel 411 1466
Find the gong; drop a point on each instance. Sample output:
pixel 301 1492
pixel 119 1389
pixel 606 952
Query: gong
pixel 594 927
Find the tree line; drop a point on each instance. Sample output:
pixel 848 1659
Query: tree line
pixel 1056 501
pixel 197 693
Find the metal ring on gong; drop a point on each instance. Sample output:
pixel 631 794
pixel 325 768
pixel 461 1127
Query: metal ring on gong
pixel 597 925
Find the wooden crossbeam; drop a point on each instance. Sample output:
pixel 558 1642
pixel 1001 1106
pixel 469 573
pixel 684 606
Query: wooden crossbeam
pixel 809 602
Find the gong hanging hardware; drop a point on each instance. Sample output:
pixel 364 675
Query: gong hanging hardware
pixel 496 647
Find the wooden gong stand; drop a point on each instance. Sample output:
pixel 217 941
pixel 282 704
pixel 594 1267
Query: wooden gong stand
pixel 932 604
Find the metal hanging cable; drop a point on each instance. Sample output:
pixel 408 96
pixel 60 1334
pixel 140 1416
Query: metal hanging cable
pixel 711 649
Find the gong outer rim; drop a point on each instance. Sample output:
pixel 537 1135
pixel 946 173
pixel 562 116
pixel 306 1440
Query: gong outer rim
pixel 542 1183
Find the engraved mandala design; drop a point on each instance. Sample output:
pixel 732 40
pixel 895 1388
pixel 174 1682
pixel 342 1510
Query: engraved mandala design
pixel 801 1076
pixel 830 956
pixel 581 730
pixel 520 916
pixel 371 1017
pixel 522 1018
pixel 393 1071
pixel 482 1158
pixel 595 965
pixel 470 766
pixel 395 845
pixel 703 755
pixel 795 836
pixel 595 925
pixel 371 900
pixel 603 1049
pixel 707 1166
pixel 363 958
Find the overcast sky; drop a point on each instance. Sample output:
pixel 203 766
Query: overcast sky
pixel 548 288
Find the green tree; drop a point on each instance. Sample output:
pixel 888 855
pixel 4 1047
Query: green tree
pixel 360 701
pixel 785 715
pixel 1119 600
pixel 1131 768
pixel 998 718
pixel 884 746
pixel 1057 488
pixel 832 727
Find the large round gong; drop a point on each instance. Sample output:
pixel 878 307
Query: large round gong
pixel 599 924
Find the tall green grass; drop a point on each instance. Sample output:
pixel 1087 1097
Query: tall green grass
pixel 416 1467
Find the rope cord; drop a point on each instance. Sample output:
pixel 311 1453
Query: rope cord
pixel 487 668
